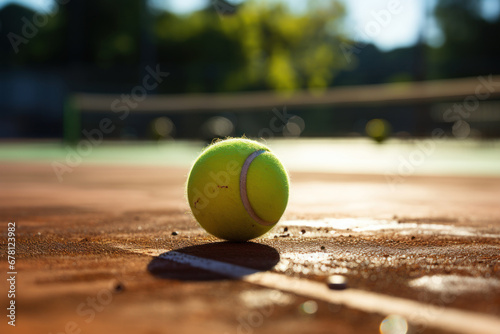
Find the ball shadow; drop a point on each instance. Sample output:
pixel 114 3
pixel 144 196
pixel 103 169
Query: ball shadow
pixel 214 261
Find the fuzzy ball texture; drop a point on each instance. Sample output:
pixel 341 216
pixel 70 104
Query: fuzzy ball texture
pixel 237 189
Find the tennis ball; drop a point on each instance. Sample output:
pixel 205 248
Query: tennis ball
pixel 237 189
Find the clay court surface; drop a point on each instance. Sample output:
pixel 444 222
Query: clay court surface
pixel 96 253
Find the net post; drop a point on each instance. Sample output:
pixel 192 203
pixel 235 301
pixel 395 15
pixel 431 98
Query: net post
pixel 71 121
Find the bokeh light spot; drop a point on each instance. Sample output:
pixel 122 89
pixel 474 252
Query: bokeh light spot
pixel 461 129
pixel 218 126
pixel 294 127
pixel 378 129
pixel 309 307
pixel 394 324
pixel 163 127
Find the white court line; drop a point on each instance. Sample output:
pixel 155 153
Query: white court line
pixel 376 225
pixel 417 313
pixel 218 267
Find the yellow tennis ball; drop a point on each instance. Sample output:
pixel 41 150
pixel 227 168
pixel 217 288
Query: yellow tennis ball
pixel 237 189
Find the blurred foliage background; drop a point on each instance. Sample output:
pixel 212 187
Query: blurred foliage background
pixel 257 46
pixel 101 47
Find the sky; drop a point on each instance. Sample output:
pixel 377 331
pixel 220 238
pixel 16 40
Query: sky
pixel 401 30
pixel 368 21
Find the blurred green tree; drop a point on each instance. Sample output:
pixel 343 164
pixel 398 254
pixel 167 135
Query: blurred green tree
pixel 27 36
pixel 258 45
pixel 470 44
pixel 93 32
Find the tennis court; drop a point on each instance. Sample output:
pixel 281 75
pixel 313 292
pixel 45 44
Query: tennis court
pixel 113 246
pixel 385 115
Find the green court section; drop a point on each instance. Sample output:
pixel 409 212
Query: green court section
pixel 354 156
pixel 176 153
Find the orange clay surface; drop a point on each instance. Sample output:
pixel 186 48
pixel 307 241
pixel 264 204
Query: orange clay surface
pixel 85 252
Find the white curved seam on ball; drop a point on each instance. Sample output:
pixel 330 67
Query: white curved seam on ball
pixel 243 189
